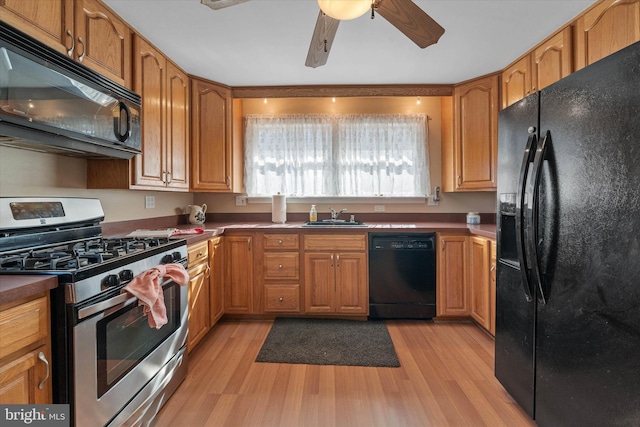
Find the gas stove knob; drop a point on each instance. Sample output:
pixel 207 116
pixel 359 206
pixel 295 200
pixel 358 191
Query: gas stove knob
pixel 177 256
pixel 126 275
pixel 110 281
pixel 167 259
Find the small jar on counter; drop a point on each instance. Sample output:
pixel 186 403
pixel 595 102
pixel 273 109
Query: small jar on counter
pixel 473 218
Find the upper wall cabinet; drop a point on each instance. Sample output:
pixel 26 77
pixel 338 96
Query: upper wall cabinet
pixel 469 160
pixel 164 88
pixel 164 164
pixel 216 153
pixel 85 30
pixel 550 61
pixel 605 28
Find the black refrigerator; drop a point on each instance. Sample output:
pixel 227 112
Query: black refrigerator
pixel 567 344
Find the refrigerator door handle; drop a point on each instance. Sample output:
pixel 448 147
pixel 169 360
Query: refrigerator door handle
pixel 532 213
pixel 527 158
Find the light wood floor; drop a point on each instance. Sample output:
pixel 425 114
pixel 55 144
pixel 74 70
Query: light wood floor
pixel 446 379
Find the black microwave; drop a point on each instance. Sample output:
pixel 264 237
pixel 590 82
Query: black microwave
pixel 48 102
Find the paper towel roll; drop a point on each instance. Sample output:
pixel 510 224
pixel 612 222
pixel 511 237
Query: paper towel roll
pixel 279 209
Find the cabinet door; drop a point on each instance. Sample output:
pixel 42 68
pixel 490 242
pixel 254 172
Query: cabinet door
pixel 452 286
pixel 492 289
pixel 216 285
pixel 198 304
pixel 607 27
pixel 238 297
pixel 476 134
pixel 552 59
pixel 479 260
pixel 516 81
pixel 20 378
pixel 320 283
pixel 151 68
pixel 211 149
pixel 48 21
pixel 177 136
pixel 352 289
pixel 103 41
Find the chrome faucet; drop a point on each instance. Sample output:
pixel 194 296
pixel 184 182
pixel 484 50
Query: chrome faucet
pixel 334 214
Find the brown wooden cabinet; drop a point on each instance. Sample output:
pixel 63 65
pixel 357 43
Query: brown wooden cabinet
pixel 605 28
pixel 216 282
pixel 281 272
pixel 238 282
pixel 164 162
pixel 85 30
pixel 25 351
pixel 336 279
pixel 164 88
pixel 479 264
pixel 492 288
pixel 216 150
pixel 469 158
pixel 199 274
pixel 547 63
pixel 452 296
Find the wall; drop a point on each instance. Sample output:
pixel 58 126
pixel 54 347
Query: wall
pixel 449 203
pixel 30 173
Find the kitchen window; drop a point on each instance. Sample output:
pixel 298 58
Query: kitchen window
pixel 337 155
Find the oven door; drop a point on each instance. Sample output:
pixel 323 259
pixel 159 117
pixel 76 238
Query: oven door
pixel 116 353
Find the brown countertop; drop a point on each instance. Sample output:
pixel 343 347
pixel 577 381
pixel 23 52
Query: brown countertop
pixel 212 229
pixel 15 287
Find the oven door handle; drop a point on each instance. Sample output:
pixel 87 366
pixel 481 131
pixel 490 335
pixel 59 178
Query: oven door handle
pixel 117 302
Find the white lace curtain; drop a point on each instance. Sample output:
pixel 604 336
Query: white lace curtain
pixel 337 155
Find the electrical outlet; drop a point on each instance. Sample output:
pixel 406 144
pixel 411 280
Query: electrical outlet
pixel 431 201
pixel 149 202
pixel 378 208
pixel 241 200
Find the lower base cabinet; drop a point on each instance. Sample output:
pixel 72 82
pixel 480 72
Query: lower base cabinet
pixel 25 351
pixel 336 274
pixel 199 273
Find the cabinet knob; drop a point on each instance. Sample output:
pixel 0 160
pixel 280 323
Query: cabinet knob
pixel 280 242
pixel 280 266
pixel 44 360
pixel 281 299
pixel 81 56
pixel 73 43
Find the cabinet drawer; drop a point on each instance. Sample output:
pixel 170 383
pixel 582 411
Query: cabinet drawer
pixel 333 242
pixel 282 265
pixel 23 325
pixel 198 253
pixel 281 241
pixel 282 298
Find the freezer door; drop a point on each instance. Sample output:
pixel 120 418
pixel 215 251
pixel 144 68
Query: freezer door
pixel 588 331
pixel 515 306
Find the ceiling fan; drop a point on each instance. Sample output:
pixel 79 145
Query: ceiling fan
pixel 405 15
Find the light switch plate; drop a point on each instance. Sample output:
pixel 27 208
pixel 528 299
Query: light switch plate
pixel 378 208
pixel 241 200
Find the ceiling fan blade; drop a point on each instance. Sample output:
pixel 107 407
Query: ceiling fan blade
pixel 321 41
pixel 412 21
pixel 220 4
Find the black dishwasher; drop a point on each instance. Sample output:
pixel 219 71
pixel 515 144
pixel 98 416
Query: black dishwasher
pixel 402 275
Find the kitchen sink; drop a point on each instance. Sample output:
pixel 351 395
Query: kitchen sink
pixel 334 223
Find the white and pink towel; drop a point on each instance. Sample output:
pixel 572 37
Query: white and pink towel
pixel 147 287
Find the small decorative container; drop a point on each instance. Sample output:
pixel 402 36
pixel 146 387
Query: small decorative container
pixel 473 218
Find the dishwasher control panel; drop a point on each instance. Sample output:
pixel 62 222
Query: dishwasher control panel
pixel 407 242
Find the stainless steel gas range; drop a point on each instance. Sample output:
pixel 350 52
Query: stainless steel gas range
pixel 108 363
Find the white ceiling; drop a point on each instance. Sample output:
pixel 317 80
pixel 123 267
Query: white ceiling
pixel 265 42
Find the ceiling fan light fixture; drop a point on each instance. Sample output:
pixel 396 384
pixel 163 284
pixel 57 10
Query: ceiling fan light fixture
pixel 344 10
